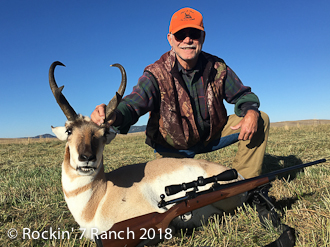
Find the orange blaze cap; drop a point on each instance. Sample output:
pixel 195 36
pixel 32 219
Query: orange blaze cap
pixel 185 18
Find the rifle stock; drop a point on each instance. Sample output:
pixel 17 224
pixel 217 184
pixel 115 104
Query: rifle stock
pixel 133 231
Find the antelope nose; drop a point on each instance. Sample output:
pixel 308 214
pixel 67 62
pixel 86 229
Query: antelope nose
pixel 84 157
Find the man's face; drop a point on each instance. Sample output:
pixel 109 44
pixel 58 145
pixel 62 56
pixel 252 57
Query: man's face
pixel 187 44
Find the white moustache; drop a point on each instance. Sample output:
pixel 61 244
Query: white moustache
pixel 188 47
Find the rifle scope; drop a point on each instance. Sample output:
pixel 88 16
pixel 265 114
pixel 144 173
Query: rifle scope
pixel 224 176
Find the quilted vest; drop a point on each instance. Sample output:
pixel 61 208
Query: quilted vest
pixel 174 124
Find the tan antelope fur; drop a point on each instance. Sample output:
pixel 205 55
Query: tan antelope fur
pixel 97 199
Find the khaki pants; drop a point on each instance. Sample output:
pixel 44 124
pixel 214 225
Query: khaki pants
pixel 249 157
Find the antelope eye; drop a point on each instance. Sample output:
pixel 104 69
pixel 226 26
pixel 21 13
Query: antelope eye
pixel 68 131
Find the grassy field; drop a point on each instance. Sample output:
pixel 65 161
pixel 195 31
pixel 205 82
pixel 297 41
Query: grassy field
pixel 31 194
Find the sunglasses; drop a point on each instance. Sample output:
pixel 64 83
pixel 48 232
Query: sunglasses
pixel 188 32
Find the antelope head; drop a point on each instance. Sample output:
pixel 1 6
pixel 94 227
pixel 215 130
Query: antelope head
pixel 85 139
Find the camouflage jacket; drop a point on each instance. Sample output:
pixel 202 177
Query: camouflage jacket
pixel 174 124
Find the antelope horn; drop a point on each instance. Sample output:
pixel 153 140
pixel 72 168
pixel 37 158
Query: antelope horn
pixel 113 103
pixel 69 112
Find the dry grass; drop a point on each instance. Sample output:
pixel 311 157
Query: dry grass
pixel 31 195
pixel 25 140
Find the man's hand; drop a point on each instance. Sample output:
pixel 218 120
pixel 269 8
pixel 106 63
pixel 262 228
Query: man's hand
pixel 98 116
pixel 248 125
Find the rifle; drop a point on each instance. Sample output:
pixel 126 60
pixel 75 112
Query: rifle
pixel 133 232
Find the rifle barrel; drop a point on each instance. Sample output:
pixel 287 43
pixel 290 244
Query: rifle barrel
pixel 292 168
pixel 271 176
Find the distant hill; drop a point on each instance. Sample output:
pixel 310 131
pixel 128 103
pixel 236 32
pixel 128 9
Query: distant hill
pixel 300 122
pixel 44 136
pixel 135 129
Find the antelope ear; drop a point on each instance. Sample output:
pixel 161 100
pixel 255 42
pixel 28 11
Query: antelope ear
pixel 60 133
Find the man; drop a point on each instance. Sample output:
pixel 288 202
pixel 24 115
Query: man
pixel 184 92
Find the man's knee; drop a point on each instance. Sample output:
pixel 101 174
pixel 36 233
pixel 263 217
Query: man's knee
pixel 265 119
pixel 262 133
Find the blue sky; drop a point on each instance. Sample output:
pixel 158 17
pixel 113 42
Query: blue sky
pixel 280 48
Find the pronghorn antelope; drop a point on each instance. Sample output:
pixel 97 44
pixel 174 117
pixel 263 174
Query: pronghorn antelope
pixel 97 199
